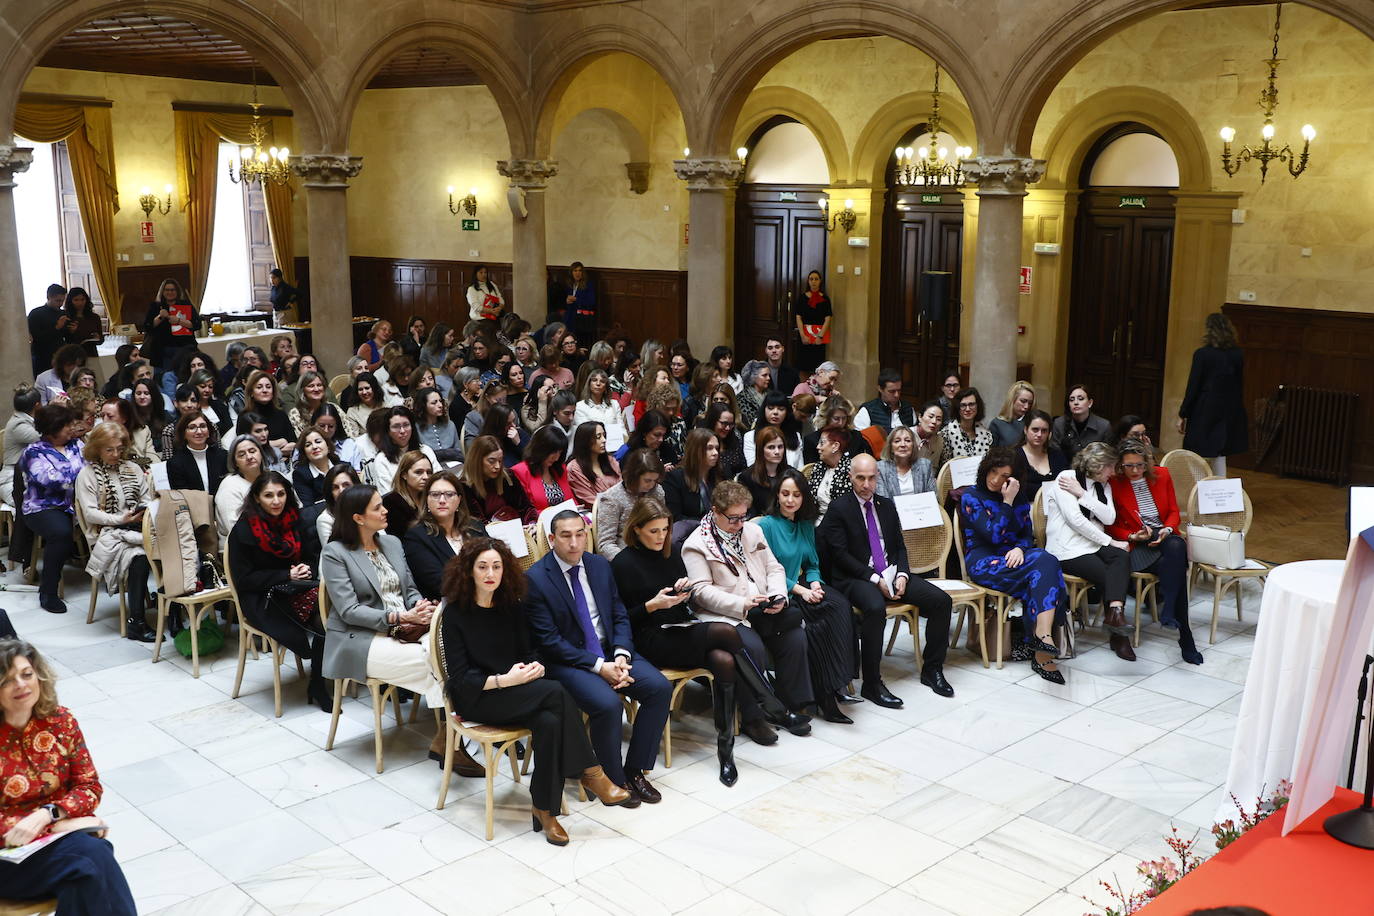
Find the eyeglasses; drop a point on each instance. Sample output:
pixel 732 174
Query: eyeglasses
pixel 1134 466
pixel 443 495
pixel 725 423
pixel 950 385
pixel 736 519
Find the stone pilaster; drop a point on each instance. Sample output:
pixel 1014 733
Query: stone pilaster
pixel 529 264
pixel 15 355
pixel 711 183
pixel 326 177
pixel 638 173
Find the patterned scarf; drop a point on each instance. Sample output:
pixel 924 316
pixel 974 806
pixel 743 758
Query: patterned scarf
pixel 726 548
pixel 277 537
pixel 118 490
pixel 839 484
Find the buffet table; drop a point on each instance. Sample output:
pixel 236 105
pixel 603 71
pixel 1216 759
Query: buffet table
pixel 211 344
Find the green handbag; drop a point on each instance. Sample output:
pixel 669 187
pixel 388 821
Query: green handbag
pixel 209 640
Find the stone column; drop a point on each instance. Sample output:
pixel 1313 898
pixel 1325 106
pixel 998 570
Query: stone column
pixel 15 354
pixel 326 178
pixel 530 261
pixel 710 186
pixel 1001 183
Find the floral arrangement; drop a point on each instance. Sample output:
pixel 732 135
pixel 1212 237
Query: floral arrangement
pixel 1162 874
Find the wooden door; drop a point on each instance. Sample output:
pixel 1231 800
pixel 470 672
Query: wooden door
pixel 918 237
pixel 1119 300
pixel 76 257
pixel 259 242
pixel 780 236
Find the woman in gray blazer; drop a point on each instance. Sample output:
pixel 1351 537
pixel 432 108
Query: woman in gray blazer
pixel 372 600
pixel 900 470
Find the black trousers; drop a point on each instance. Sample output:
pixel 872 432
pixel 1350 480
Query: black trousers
pixel 1108 568
pixel 934 604
pixel 80 871
pixel 561 748
pixel 55 528
pixel 792 674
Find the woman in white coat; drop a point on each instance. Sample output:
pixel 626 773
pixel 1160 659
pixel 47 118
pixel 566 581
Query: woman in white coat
pixel 485 302
pixel 1077 508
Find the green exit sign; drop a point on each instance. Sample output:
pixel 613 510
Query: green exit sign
pixel 1132 201
pixel 472 225
pixel 932 198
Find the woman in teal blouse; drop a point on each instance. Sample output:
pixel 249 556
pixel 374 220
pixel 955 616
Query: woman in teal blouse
pixel 790 528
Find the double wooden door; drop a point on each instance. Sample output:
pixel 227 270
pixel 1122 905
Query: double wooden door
pixel 918 237
pixel 1119 300
pixel 780 237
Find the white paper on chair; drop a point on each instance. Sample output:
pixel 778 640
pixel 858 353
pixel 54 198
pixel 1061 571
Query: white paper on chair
pixel 963 472
pixel 1214 496
pixel 159 473
pixel 548 515
pixel 917 510
pixel 513 533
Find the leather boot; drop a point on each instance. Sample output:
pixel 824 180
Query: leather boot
pixel 1121 645
pixel 1115 622
pixel 595 781
pixel 553 831
pixel 137 628
pixel 723 695
pixel 754 681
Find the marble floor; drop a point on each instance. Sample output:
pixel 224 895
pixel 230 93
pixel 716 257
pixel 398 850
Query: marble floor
pixel 1014 797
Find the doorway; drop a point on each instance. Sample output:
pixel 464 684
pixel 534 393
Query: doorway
pixel 1122 268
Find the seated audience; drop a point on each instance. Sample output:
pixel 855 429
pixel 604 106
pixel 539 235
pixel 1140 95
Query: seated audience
pixel 245 464
pixel 195 463
pixel 777 412
pixel 117 410
pixel 314 457
pixel 757 380
pixel 329 421
pixel 49 468
pixel 640 476
pixel 489 490
pixel 597 403
pixel 1131 427
pixel 591 471
pixel 544 473
pixel 394 436
pixel 186 402
pixel 761 477
pixel 1010 422
pixel 930 441
pixel 403 503
pixel 439 533
pixel 359 400
pixel 651 432
pixel 720 419
pixel 501 423
pixel 828 477
pixel 436 429
pixel 1035 462
pixel 340 477
pixel 822 382
pixel 835 414
pixel 52 382
pixel 250 423
pixel 901 471
pixel 965 435
pixel 1078 425
pixel 262 400
pixel 312 393
pixel 20 433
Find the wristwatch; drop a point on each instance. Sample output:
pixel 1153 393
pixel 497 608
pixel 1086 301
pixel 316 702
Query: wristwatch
pixel 53 811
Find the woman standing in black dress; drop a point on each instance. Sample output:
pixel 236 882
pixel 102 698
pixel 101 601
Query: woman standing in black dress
pixel 1212 415
pixel 813 314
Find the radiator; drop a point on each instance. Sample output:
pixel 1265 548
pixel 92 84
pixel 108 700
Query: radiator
pixel 1318 432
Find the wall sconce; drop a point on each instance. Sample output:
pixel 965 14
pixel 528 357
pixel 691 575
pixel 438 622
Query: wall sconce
pixel 467 204
pixel 844 219
pixel 742 153
pixel 149 202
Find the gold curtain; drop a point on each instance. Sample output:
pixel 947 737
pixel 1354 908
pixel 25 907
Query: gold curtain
pixel 198 135
pixel 90 147
pixel 279 197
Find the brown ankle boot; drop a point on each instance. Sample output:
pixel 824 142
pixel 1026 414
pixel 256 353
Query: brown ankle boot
pixel 1121 645
pixel 595 781
pixel 553 831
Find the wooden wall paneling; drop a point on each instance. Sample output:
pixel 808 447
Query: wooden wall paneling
pixel 1322 349
pixel 139 285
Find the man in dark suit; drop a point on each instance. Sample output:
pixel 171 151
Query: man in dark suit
pixel 860 538
pixel 584 641
pixel 784 378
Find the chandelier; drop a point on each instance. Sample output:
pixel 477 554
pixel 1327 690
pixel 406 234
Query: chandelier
pixel 930 165
pixel 255 163
pixel 1267 152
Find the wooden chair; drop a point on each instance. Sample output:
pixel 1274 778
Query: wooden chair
pixel 1224 580
pixel 537 546
pixel 493 739
pixel 1185 470
pixel 679 678
pixel 338 383
pixel 1078 587
pixel 96 581
pixel 28 907
pixel 248 635
pixel 380 690
pixel 944 482
pixel 927 549
pixel 1002 605
pixel 1146 586
pixel 596 521
pixel 198 605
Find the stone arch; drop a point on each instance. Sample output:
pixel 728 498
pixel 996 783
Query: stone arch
pixel 282 43
pixel 629 132
pixel 740 67
pixel 574 53
pixel 1066 39
pixel 879 137
pixel 1075 133
pixel 503 81
pixel 768 101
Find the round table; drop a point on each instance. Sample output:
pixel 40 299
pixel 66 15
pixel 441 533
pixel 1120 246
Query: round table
pixel 1290 649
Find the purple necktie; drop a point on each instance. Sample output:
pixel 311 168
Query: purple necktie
pixel 875 543
pixel 590 641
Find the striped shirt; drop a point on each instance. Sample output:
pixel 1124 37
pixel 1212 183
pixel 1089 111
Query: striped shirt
pixel 1145 503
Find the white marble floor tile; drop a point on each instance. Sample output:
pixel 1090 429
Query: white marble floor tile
pixel 1190 756
pixel 701 780
pixel 649 824
pixel 593 846
pixel 301 778
pixel 414 846
pixel 967 885
pixel 176 876
pixel 949 815
pixel 1063 757
pixel 224 901
pixel 252 847
pixel 1214 727
pixel 316 884
pixel 255 748
pixel 791 757
pixel 897 902
pixel 726 847
pixel 1233 668
pixel 1150 786
pixel 393 900
pixel 1106 731
pixel 134 834
pixel 1039 851
pixel 183 816
pixel 1007 784
pixel 1193 686
pixel 864 784
pixel 355 810
pixel 808 882
pixel 1103 662
pixel 1154 709
pixel 648 882
pixel 1101 818
pixel 727 900
pixel 928 755
pixel 1079 687
pixel 883 849
pixel 170 774
pixel 211 723
pixel 796 814
pixel 487 883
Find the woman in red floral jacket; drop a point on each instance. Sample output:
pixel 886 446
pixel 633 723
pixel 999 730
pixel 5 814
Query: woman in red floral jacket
pixel 50 786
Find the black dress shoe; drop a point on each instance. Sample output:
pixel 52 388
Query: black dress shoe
pixel 847 699
pixel 632 801
pixel 798 725
pixel 934 677
pixel 137 629
pixel 641 788
pixel 877 693
pixel 830 711
pixel 52 604
pixel 759 731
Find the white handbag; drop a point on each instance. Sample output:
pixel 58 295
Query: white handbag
pixel 1216 545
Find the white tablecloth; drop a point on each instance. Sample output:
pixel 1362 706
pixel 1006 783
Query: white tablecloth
pixel 215 346
pixel 1290 649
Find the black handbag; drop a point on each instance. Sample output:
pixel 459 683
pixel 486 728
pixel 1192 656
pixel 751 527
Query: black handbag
pixel 784 621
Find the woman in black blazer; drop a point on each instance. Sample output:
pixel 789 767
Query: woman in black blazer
pixel 438 535
pixel 687 489
pixel 195 463
pixel 170 325
pixel 274 559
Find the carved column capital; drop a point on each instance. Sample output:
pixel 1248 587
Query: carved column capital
pixel 709 174
pixel 1003 175
pixel 326 170
pixel 13 160
pixel 528 174
pixel 638 173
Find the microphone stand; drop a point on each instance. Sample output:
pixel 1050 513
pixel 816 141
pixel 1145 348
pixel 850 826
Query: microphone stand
pixel 1359 719
pixel 1356 827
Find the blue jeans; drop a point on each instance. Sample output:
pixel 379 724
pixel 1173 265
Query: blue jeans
pixel 80 871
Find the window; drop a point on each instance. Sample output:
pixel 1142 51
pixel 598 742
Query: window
pixel 40 231
pixel 228 287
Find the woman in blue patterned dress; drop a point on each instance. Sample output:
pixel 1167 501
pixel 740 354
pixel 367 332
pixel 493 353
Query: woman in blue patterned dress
pixel 1000 553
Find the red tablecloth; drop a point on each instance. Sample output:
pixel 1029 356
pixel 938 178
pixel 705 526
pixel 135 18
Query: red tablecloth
pixel 1306 873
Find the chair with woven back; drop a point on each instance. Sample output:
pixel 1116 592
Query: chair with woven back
pixel 381 693
pixel 535 547
pixel 1001 601
pixel 495 740
pixel 28 907
pixel 198 605
pixel 944 482
pixel 927 550
pixel 1077 586
pixel 338 383
pixel 1185 470
pixel 96 581
pixel 1224 580
pixel 248 637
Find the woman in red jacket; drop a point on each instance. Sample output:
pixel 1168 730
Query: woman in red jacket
pixel 1147 520
pixel 543 473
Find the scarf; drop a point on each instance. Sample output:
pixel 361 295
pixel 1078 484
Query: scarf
pixel 277 537
pixel 117 490
pixel 839 484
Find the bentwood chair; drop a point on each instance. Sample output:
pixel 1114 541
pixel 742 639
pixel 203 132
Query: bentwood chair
pixel 1224 580
pixel 28 907
pixel 927 550
pixel 96 581
pixel 249 637
pixel 679 678
pixel 1002 603
pixel 1077 586
pixel 198 605
pixel 494 740
pixel 1185 470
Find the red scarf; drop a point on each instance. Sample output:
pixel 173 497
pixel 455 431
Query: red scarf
pixel 277 536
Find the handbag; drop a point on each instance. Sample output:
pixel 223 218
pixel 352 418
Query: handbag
pixel 769 625
pixel 409 632
pixel 295 598
pixel 1216 545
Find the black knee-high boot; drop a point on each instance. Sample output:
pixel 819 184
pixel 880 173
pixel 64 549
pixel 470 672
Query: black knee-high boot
pixel 723 694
